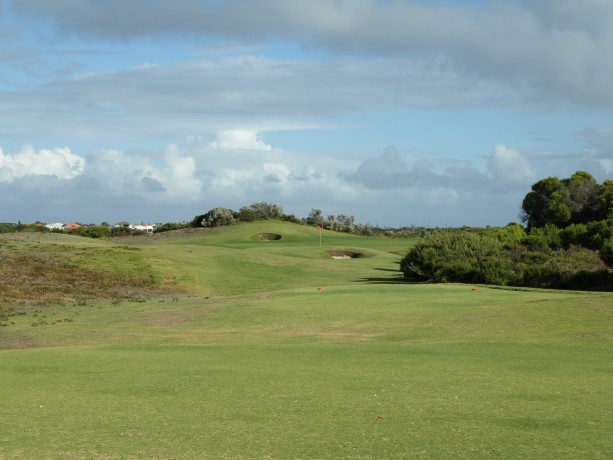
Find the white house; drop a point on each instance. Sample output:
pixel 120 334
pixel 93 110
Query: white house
pixel 149 228
pixel 55 226
pixel 144 228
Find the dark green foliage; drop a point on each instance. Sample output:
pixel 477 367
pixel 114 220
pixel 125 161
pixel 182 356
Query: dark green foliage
pixel 606 252
pixel 578 199
pixel 464 257
pixel 538 260
pixel 582 196
pixel 605 199
pixel 197 221
pixel 591 235
pixel 543 238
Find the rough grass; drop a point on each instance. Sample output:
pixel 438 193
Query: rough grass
pixel 283 352
pixel 53 272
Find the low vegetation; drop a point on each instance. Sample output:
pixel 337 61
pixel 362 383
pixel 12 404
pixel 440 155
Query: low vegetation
pixel 568 243
pixel 44 272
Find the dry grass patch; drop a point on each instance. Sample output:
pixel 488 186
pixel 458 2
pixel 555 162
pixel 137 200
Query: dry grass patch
pixel 35 274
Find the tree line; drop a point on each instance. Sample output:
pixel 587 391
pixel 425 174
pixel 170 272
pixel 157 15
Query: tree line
pixel 567 242
pixel 220 216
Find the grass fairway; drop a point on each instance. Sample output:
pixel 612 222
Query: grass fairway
pixel 279 351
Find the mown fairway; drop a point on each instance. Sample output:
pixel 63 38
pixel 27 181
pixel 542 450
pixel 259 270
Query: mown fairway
pixel 272 349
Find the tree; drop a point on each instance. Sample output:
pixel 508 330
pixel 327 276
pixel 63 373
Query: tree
pixel 535 203
pixel 577 199
pixel 605 199
pixel 582 196
pixel 346 223
pixel 197 221
pixel 315 217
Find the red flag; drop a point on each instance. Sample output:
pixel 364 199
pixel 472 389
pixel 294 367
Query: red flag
pixel 319 227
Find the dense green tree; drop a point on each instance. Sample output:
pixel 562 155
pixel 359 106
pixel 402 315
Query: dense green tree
pixel 536 209
pixel 582 196
pixel 577 199
pixel 197 221
pixel 605 199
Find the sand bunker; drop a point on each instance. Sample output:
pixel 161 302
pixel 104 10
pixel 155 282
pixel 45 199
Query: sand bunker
pixel 266 237
pixel 341 255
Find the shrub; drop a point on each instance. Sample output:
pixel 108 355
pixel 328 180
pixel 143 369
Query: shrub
pixel 168 226
pixel 218 217
pixel 259 211
pixel 606 252
pixel 457 257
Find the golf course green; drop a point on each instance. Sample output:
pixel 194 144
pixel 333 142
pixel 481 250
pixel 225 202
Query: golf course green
pixel 269 340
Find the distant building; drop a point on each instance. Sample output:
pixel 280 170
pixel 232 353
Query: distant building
pixel 71 226
pixel 149 228
pixel 55 226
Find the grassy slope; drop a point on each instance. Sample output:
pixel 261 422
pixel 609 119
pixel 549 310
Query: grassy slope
pixel 263 364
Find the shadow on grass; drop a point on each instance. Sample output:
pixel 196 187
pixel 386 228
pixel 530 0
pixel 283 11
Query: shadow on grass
pixel 397 279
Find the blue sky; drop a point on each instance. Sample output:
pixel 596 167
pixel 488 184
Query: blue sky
pixel 399 112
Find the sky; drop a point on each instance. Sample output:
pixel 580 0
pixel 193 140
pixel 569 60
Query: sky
pixel 398 112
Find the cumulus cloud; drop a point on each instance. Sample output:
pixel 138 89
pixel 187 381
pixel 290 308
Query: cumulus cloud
pixel 178 182
pixel 508 166
pixel 58 162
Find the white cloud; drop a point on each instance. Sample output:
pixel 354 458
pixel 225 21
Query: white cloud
pixel 239 139
pixel 171 174
pixel 508 166
pixel 177 182
pixel 58 162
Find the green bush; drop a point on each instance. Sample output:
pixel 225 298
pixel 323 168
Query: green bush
pixel 457 257
pixel 606 252
pixel 468 257
pixel 168 226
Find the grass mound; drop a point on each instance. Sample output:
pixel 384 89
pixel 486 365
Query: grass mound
pixel 55 272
